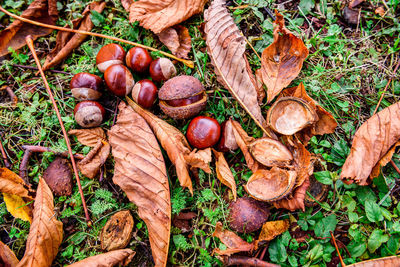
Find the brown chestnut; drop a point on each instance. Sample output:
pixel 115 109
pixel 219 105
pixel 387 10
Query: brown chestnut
pixel 86 86
pixel 182 97
pixel 162 69
pixel 119 80
pixel 227 141
pixel 138 60
pixel 144 93
pixel 203 132
pixel 109 55
pixel 89 113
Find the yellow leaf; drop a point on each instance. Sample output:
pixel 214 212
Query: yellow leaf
pixel 17 207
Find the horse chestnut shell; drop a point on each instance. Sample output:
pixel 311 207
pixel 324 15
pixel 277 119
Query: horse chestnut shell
pixel 227 142
pixel 182 97
pixel 203 132
pixel 119 80
pixel 247 215
pixel 86 86
pixel 162 69
pixel 138 60
pixel 144 93
pixel 89 113
pixel 109 55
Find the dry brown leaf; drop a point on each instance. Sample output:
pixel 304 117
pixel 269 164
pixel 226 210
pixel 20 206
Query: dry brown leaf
pixel 226 47
pixel 158 15
pixel 66 42
pixel 224 173
pixel 11 183
pixel 380 11
pixel 45 234
pixel 390 261
pixel 44 11
pixel 260 87
pixel 89 137
pixel 231 240
pixel 296 200
pixel 127 4
pixel 282 61
pixel 7 256
pixel 117 232
pixel 177 39
pixel 17 207
pixel 354 3
pixel 371 142
pixel 272 229
pixel 302 162
pixel 109 259
pixel 141 174
pixel 383 161
pixel 199 159
pixel 174 143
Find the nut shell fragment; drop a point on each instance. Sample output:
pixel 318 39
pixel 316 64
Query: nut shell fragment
pixel 117 232
pixel 270 152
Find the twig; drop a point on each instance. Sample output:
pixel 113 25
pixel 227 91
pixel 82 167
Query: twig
pixel 246 261
pixel 14 98
pixel 395 166
pixel 34 68
pixel 101 173
pixel 188 63
pixel 337 249
pixel 116 111
pixel 29 42
pixel 269 12
pixel 4 155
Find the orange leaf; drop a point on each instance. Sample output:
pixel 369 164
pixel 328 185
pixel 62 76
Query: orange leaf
pixel 17 207
pixel 177 39
pixel 272 229
pixel 109 259
pixel 7 256
pixel 11 183
pixel 224 173
pixel 231 240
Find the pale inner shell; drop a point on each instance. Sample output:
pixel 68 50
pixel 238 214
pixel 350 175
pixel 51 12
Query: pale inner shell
pixel 84 93
pixel 104 65
pixel 167 68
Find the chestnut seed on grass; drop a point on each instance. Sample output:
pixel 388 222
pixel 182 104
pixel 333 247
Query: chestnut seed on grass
pixel 203 132
pixel 138 60
pixel 144 93
pixel 119 80
pixel 89 113
pixel 247 215
pixel 86 86
pixel 162 69
pixel 109 55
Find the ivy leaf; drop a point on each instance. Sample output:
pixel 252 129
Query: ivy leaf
pixel 324 226
pixel 376 239
pixel 373 211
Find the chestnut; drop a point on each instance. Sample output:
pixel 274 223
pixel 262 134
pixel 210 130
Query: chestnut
pixel 89 113
pixel 86 86
pixel 144 93
pixel 182 97
pixel 247 215
pixel 162 69
pixel 109 55
pixel 203 132
pixel 138 60
pixel 119 80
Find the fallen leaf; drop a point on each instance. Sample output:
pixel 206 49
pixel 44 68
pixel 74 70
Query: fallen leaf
pixel 380 11
pixel 109 259
pixel 45 234
pixel 127 4
pixel 302 161
pixel 272 229
pixel 354 3
pixel 58 177
pixel 141 174
pixel 224 173
pixel 17 207
pixel 231 240
pixel 66 42
pixel 260 87
pixel 371 143
pixel 383 161
pixel 13 36
pixel 89 137
pixel 11 183
pixel 117 232
pixel 226 47
pixel 158 15
pixel 380 262
pixel 174 143
pixel 177 39
pixel 295 200
pixel 199 159
pixel 282 61
pixel 7 256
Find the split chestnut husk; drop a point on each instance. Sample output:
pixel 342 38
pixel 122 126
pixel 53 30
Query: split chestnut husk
pixel 289 115
pixel 270 152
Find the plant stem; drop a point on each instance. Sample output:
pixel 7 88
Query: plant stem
pixel 337 249
pixel 4 155
pixel 33 68
pixel 246 261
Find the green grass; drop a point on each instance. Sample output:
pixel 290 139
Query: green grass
pixel 346 72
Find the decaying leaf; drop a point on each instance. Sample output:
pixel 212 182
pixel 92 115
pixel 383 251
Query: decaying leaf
pixel 7 256
pixel 177 39
pixel 224 173
pixel 282 61
pixel 272 229
pixel 199 159
pixel 383 161
pixel 260 87
pixel 13 36
pixel 175 143
pixel 303 164
pixel 141 174
pixel 371 142
pixel 231 240
pixel 45 234
pixel 270 152
pixel 127 4
pixel 226 48
pixel 117 232
pixel 66 42
pixel 380 262
pixel 11 183
pixel 96 138
pixel 295 200
pixel 18 207
pixel 109 259
pixel 158 15
pixel 58 177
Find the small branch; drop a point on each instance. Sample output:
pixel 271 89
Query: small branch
pixel 270 14
pixel 14 98
pixel 246 261
pixel 395 166
pixel 34 68
pixel 337 249
pixel 4 155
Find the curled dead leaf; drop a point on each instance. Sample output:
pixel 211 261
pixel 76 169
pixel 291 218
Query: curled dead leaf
pixel 11 183
pixel 199 159
pixel 282 61
pixel 177 39
pixel 224 173
pixel 295 200
pixel 371 143
pixel 140 172
pixel 89 137
pixel 17 207
pixel 270 152
pixel 58 177
pixel 109 259
pixel 383 161
pixel 116 234
pixel 231 240
pixel 7 256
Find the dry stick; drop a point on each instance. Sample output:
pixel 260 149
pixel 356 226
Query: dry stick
pixel 246 261
pixel 33 68
pixel 188 63
pixel 4 155
pixel 14 98
pixel 337 249
pixel 29 42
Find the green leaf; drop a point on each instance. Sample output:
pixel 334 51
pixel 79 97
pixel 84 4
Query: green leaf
pixel 324 177
pixel 356 249
pixel 277 251
pixel 353 217
pixel 373 211
pixel 376 239
pixel 324 226
pixel 315 253
pixel 393 244
pixel 306 6
pixel 96 18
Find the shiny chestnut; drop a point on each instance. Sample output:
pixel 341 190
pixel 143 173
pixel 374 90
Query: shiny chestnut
pixel 86 86
pixel 144 93
pixel 89 113
pixel 182 97
pixel 119 80
pixel 138 60
pixel 162 69
pixel 109 55
pixel 203 132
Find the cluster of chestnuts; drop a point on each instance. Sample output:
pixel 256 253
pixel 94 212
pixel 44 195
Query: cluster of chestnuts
pixel 180 97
